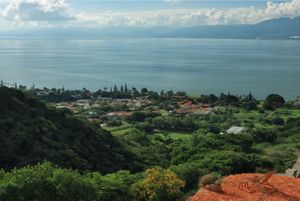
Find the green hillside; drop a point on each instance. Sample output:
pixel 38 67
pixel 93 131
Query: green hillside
pixel 31 132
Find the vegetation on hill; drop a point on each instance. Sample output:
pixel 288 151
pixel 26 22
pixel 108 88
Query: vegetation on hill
pixel 31 132
pixel 165 150
pixel 45 182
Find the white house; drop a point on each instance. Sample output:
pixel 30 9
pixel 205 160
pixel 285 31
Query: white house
pixel 236 130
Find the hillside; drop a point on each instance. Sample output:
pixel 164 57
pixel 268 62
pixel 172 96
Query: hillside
pixel 31 132
pixel 281 28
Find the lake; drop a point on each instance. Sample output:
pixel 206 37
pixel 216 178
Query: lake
pixel 197 66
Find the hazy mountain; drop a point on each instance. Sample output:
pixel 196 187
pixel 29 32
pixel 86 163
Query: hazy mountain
pixel 281 28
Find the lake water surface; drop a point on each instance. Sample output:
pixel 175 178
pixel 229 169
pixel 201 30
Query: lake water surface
pixel 198 66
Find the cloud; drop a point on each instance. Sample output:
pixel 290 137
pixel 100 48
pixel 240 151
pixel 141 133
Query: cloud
pixel 55 13
pixel 172 1
pixel 36 10
pixel 193 17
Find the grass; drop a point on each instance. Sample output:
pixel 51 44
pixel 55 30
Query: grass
pixel 119 130
pixel 254 115
pixel 177 136
pixel 287 113
pixel 247 115
pixel 173 135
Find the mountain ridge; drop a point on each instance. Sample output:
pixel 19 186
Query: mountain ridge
pixel 279 28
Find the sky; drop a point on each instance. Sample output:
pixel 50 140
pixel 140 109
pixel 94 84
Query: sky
pixel 48 14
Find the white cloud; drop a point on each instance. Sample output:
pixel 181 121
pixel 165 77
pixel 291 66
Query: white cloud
pixel 53 13
pixel 172 1
pixel 36 10
pixel 194 17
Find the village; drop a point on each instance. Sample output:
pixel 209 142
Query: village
pixel 121 107
pixel 101 110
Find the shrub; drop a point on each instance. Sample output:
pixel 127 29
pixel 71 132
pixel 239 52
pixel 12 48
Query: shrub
pixel 273 101
pixel 212 178
pixel 158 185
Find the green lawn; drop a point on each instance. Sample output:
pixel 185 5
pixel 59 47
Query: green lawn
pixel 119 130
pixel 281 112
pixel 174 135
pixel 247 115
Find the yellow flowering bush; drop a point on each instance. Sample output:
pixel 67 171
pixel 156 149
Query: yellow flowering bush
pixel 158 185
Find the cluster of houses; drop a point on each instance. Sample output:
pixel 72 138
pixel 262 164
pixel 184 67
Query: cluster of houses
pixel 132 104
pixel 76 106
pixel 89 104
pixel 188 107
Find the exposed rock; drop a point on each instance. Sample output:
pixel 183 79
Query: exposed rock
pixel 284 188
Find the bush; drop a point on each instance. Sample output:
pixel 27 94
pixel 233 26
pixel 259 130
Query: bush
pixel 114 122
pixel 273 101
pixel 212 178
pixel 45 182
pixel 158 185
pixel 189 172
pixel 264 134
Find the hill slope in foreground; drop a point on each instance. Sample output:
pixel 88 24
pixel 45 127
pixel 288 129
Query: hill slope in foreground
pixel 31 132
pixel 283 188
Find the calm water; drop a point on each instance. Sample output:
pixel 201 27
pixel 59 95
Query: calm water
pixel 195 65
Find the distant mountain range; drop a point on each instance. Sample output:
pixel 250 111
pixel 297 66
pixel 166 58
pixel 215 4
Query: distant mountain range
pixel 280 28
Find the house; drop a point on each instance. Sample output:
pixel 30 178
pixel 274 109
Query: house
pixel 119 114
pixel 236 130
pixel 295 171
pixel 93 115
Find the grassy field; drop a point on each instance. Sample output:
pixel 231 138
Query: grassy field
pixel 254 115
pixel 173 135
pixel 119 130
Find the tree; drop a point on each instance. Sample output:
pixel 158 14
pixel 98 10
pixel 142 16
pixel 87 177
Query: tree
pixel 115 88
pixel 158 185
pixel 273 101
pixel 264 134
pixel 249 102
pixel 189 172
pixel 144 90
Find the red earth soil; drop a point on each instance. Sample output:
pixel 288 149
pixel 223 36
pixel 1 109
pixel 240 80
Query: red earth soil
pixel 278 188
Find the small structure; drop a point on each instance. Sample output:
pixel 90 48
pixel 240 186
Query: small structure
pixel 236 130
pixel 119 114
pixel 93 115
pixel 295 171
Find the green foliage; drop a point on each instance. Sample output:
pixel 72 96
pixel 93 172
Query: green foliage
pixel 189 172
pixel 146 127
pixel 114 122
pixel 264 134
pixel 30 132
pixel 142 116
pixel 45 182
pixel 158 185
pixel 187 146
pixel 273 101
pixel 170 123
